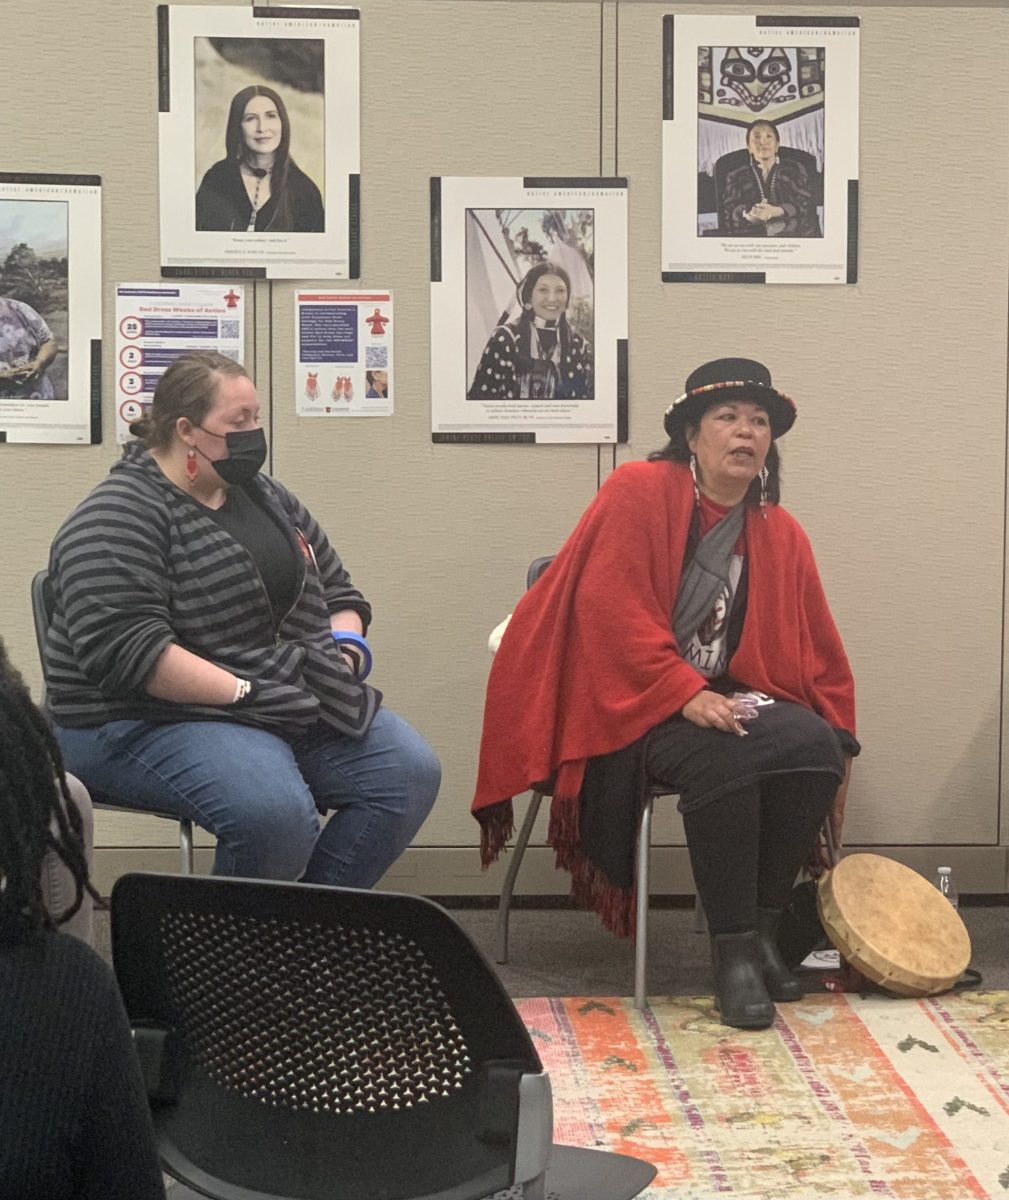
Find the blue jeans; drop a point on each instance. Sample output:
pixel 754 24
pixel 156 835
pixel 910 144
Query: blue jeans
pixel 261 795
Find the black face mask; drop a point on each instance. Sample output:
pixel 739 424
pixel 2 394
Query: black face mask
pixel 246 455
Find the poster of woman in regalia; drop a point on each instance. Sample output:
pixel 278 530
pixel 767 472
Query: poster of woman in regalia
pixel 528 309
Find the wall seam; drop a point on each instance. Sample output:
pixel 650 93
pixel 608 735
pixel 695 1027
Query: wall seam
pixel 1002 662
pixel 270 368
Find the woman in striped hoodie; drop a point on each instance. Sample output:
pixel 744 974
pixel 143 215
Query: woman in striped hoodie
pixel 206 653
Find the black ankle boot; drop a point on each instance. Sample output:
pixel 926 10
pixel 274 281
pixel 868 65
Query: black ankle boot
pixel 740 992
pixel 780 982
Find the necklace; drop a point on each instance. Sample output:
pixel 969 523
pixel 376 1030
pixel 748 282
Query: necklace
pixel 260 173
pixel 758 175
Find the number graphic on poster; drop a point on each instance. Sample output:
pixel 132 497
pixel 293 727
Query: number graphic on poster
pixel 131 383
pixel 131 327
pixel 131 410
pixel 131 356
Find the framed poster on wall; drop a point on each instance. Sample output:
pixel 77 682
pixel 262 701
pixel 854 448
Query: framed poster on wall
pixel 50 308
pixel 528 310
pixel 760 149
pixel 259 141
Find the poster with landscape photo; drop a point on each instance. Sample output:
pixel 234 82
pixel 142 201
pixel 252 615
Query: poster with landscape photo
pixel 50 308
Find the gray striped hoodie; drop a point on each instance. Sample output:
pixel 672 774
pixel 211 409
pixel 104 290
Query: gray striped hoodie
pixel 140 565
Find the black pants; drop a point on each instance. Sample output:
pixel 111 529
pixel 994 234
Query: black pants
pixel 748 845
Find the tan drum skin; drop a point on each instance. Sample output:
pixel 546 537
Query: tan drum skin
pixel 893 925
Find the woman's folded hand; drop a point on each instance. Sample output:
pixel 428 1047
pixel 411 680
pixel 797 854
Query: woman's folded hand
pixel 711 710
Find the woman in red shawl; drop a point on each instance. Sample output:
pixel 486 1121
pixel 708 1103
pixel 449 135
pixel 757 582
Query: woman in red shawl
pixel 682 637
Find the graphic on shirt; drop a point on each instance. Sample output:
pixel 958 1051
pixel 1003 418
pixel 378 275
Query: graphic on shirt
pixel 708 650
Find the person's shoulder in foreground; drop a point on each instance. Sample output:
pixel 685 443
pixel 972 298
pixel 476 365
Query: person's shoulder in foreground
pixel 74 1121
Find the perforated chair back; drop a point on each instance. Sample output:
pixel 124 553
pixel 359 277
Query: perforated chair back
pixel 319 1042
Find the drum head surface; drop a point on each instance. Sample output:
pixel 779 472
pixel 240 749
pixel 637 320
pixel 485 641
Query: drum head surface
pixel 893 925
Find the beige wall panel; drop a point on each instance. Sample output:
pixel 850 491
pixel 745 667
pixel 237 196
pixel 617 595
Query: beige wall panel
pixel 114 828
pixel 439 537
pixel 881 467
pixel 887 462
pixel 100 117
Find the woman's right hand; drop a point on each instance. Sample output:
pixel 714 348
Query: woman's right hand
pixel 711 710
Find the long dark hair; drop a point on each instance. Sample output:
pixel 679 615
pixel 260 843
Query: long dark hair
pixel 677 450
pixel 524 327
pixel 37 814
pixel 236 149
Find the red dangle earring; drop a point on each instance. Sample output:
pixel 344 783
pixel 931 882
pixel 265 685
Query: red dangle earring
pixel 192 469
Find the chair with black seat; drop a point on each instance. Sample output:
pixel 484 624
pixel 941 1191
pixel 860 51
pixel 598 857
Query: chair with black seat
pixel 323 1043
pixel 42 609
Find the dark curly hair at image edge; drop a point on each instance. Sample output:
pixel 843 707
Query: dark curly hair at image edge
pixel 37 814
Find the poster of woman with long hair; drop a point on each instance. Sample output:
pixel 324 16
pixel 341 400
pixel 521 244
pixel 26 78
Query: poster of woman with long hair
pixel 535 271
pixel 264 105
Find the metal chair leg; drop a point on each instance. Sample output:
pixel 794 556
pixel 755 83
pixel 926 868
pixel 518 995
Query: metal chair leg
pixel 828 837
pixel 641 935
pixel 519 849
pixel 186 845
pixel 535 1189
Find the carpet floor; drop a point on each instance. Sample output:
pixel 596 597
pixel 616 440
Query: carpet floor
pixel 844 1096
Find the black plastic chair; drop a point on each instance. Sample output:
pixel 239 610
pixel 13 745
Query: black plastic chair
pixel 42 610
pixel 335 1044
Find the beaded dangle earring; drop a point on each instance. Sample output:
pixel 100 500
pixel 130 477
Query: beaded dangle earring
pixel 192 467
pixel 693 472
pixel 763 492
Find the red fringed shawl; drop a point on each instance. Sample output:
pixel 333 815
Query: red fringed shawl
pixel 588 663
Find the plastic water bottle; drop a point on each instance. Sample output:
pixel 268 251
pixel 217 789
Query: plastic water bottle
pixel 946 885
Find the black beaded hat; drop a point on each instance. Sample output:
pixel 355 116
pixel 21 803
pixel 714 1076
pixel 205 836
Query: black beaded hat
pixel 726 379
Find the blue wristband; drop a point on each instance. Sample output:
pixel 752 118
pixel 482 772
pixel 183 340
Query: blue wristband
pixel 357 640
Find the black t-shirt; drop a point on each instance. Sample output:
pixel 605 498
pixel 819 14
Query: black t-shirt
pixel 271 549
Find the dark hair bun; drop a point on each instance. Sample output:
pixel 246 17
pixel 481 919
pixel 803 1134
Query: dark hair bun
pixel 141 427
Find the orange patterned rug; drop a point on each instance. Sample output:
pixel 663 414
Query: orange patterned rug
pixel 845 1096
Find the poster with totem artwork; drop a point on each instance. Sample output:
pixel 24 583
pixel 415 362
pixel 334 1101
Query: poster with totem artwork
pixel 760 149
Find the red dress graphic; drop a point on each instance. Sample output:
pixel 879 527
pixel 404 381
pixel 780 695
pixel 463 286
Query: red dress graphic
pixel 378 322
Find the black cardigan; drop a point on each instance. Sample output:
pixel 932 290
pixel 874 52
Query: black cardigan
pixel 222 202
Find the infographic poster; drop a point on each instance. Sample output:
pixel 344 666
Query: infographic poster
pixel 343 365
pixel 156 323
